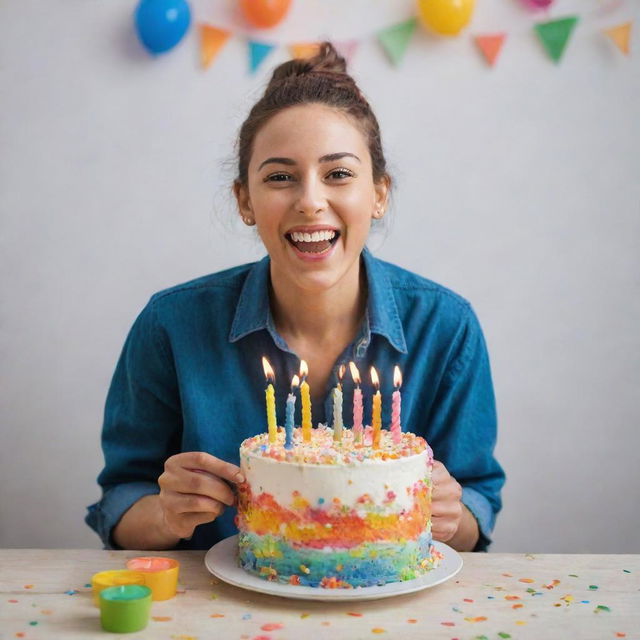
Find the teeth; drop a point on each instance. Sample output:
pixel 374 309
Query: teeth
pixel 316 236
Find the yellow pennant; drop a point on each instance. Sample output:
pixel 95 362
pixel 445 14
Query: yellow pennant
pixel 621 36
pixel 212 40
pixel 304 50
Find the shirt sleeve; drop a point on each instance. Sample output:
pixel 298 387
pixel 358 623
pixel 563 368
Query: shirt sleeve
pixel 142 423
pixel 463 426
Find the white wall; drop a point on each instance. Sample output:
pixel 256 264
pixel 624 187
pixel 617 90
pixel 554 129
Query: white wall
pixel 517 187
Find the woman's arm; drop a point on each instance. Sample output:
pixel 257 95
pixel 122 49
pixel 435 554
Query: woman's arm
pixel 143 527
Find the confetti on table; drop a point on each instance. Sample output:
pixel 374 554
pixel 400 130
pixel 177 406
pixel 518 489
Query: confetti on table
pixel 507 575
pixel 517 606
pixel 378 630
pixel 502 634
pixel 520 622
pixel 353 613
pixel 448 624
pixel 12 601
pixel 593 587
pixel 326 623
pixel 87 585
pixel 33 623
pixel 217 615
pixel 46 612
pixel 20 634
pixel 527 580
pixel 246 616
pixel 512 597
pixel 620 635
pixel 162 618
pixel 214 596
pixel 262 638
pixel 573 575
pixel 626 571
pixel 304 615
pixel 71 592
pixel 552 584
pixel 272 626
pixel 28 586
pixel 468 600
pixel 412 621
pixel 476 619
pixel 601 607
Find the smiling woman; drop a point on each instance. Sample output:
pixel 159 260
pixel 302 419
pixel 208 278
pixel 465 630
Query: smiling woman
pixel 311 176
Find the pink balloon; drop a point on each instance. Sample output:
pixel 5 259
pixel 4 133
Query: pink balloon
pixel 537 4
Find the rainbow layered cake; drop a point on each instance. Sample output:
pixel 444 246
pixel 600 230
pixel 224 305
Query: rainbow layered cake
pixel 336 514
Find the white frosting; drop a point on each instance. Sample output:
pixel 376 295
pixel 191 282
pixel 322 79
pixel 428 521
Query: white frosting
pixel 347 482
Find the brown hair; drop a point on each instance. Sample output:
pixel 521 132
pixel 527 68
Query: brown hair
pixel 322 79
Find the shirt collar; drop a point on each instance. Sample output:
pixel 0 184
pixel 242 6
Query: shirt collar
pixel 253 312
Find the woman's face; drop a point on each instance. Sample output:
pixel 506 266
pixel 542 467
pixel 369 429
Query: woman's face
pixel 311 194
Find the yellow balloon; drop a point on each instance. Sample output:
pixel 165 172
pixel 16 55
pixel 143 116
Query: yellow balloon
pixel 447 17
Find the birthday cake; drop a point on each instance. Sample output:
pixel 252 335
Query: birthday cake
pixel 333 514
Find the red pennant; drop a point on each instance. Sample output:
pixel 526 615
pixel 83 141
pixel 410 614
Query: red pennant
pixel 490 46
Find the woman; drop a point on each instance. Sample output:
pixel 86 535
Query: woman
pixel 188 387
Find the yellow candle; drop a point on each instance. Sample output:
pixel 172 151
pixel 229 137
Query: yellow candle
pixel 270 395
pixel 113 578
pixel 271 412
pixel 160 574
pixel 376 416
pixel 305 400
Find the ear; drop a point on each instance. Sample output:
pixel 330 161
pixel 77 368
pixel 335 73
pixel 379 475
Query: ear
pixel 245 210
pixel 382 188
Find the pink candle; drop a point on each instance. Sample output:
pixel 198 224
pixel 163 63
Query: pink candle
pixel 357 404
pixel 396 429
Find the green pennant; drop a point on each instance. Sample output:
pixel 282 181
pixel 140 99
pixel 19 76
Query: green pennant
pixel 554 35
pixel 395 39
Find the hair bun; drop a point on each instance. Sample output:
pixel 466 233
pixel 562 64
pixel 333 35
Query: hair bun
pixel 326 61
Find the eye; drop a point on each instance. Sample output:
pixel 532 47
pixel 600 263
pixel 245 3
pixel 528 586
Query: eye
pixel 340 174
pixel 278 177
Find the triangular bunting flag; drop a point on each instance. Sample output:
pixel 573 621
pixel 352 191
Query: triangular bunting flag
pixel 346 49
pixel 212 40
pixel 554 35
pixel 395 39
pixel 620 36
pixel 490 46
pixel 258 51
pixel 304 49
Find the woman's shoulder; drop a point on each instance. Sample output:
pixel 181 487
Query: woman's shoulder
pixel 229 281
pixel 418 288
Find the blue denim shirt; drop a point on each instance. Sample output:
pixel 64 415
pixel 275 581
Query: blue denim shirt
pixel 190 379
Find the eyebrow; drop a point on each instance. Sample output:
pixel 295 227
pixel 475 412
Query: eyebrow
pixel 330 157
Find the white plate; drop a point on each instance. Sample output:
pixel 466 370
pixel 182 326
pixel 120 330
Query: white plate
pixel 221 560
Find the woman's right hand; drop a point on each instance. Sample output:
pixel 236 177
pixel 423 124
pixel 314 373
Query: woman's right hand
pixel 194 489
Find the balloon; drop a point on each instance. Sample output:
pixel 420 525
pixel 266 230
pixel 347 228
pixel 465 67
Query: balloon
pixel 264 13
pixel 537 4
pixel 161 24
pixel 447 17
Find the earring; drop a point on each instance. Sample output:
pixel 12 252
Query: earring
pixel 248 221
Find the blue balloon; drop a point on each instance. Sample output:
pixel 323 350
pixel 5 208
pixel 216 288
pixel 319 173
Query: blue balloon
pixel 161 24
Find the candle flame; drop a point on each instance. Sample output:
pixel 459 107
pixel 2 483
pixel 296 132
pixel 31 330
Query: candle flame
pixel 341 371
pixel 397 377
pixel 355 374
pixel 374 378
pixel 295 382
pixel 268 371
pixel 304 369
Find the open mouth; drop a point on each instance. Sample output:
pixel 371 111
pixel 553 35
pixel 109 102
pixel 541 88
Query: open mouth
pixel 317 242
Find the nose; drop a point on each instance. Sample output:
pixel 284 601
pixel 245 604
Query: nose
pixel 311 197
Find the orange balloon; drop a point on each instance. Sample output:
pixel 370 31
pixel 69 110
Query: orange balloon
pixel 264 13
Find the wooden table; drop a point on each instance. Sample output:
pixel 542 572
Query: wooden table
pixel 45 594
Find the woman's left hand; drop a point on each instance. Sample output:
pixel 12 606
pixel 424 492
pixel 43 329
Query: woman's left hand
pixel 446 507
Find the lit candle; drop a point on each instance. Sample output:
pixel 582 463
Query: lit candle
pixel 396 428
pixel 160 574
pixel 271 400
pixel 337 406
pixel 126 608
pixel 289 418
pixel 357 404
pixel 305 400
pixel 376 415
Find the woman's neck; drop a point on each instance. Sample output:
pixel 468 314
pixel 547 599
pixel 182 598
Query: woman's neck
pixel 319 317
